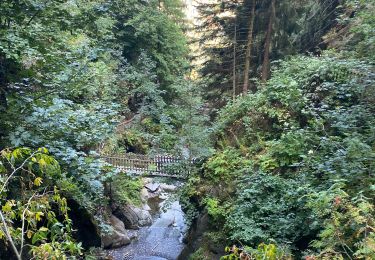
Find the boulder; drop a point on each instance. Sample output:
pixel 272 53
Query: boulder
pixel 154 203
pixel 167 187
pixel 146 207
pixel 144 217
pixel 133 234
pixel 163 196
pixel 115 240
pixel 147 180
pixel 144 195
pixel 117 224
pixel 132 216
pixel 152 195
pixel 127 215
pixel 118 237
pixel 152 187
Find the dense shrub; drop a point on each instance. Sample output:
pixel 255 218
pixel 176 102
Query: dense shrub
pixel 269 207
pixel 34 216
pixel 310 128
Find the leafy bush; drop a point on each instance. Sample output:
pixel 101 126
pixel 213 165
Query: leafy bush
pixel 62 124
pixel 283 148
pixel 347 224
pixel 126 189
pixel 200 254
pixel 269 207
pixel 224 166
pixel 70 131
pixel 216 210
pixel 263 251
pixel 34 216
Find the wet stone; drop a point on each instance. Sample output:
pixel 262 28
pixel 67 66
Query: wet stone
pixel 162 240
pixel 152 187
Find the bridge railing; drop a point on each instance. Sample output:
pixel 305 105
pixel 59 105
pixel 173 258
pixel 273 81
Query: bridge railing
pixel 159 165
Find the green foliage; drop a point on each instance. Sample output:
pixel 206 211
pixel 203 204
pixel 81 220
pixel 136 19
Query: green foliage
pixel 70 131
pixel 269 207
pixel 216 210
pixel 287 150
pixel 348 224
pixel 224 39
pixel 147 28
pixel 269 251
pixel 200 254
pixel 65 124
pixel 162 120
pixel 364 32
pixel 126 190
pixel 71 70
pixel 189 118
pixel 34 216
pixel 224 166
pixel 354 33
pixel 283 148
pixel 263 251
pixel 294 162
pixel 163 40
pixel 133 141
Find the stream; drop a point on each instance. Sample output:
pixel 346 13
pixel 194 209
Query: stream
pixel 163 239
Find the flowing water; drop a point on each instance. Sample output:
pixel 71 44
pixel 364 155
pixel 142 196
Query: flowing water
pixel 163 240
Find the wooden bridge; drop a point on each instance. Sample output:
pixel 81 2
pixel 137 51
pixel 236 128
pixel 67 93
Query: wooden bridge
pixel 158 166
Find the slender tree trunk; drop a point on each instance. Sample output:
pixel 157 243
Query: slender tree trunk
pixel 3 100
pixel 248 49
pixel 3 72
pixel 234 60
pixel 266 58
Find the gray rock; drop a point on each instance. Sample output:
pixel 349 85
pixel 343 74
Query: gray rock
pixel 115 240
pixel 167 187
pixel 118 237
pixel 117 224
pixel 146 207
pixel 150 258
pixel 163 196
pixel 152 195
pixel 160 241
pixel 147 180
pixel 154 203
pixel 144 217
pixel 152 187
pixel 127 215
pixel 144 195
pixel 132 216
pixel 133 234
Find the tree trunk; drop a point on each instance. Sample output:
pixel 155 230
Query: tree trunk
pixel 3 83
pixel 248 49
pixel 3 100
pixel 266 58
pixel 234 60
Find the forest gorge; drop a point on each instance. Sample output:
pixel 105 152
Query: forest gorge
pixel 273 99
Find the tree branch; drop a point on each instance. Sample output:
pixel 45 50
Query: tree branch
pixel 6 231
pixel 15 170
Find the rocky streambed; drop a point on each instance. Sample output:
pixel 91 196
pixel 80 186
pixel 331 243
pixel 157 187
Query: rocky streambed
pixel 154 231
